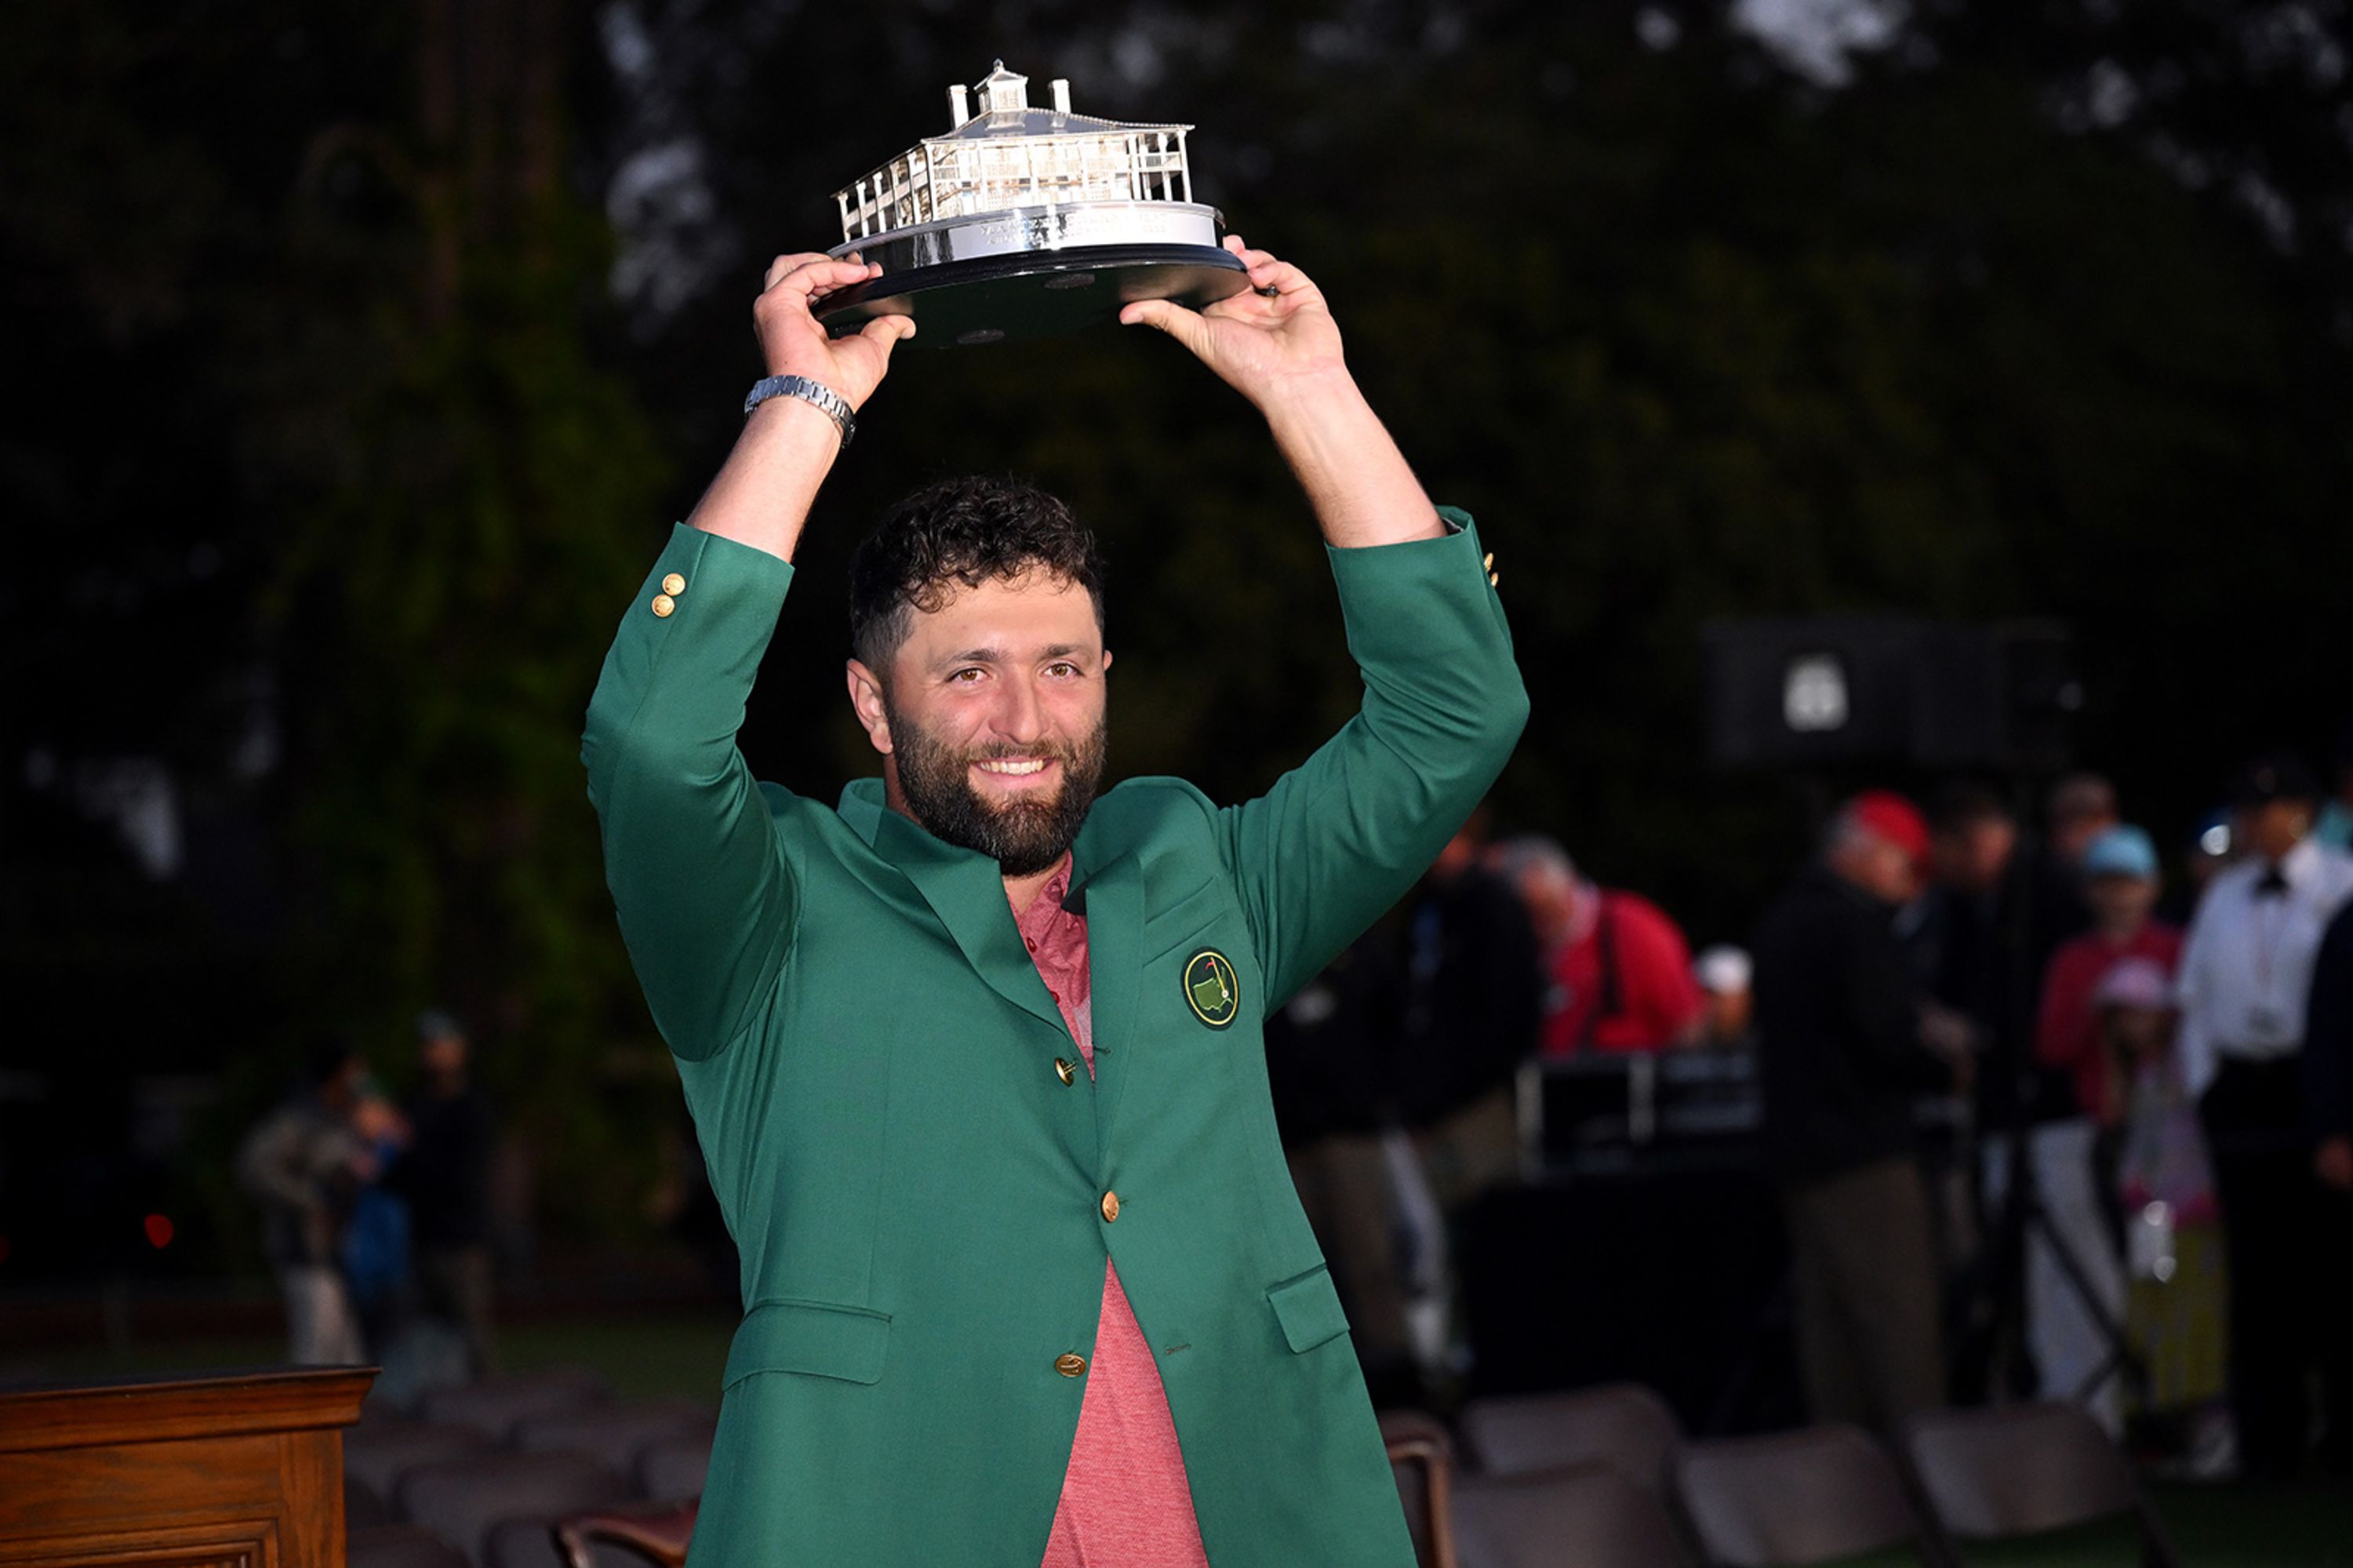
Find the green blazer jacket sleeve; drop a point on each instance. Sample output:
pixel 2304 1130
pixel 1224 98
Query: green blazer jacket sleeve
pixel 913 1176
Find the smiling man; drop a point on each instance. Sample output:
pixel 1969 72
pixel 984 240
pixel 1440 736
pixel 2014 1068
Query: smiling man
pixel 975 1054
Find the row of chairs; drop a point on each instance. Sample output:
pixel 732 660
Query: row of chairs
pixel 1605 1477
pixel 526 1472
pixel 491 1475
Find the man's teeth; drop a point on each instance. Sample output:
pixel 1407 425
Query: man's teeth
pixel 1012 766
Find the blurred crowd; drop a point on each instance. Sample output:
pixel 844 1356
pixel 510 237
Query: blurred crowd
pixel 379 1218
pixel 2040 1122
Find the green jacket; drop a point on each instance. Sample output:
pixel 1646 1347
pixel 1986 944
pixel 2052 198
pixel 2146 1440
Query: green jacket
pixel 916 1191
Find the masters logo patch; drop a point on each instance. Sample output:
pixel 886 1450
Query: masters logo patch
pixel 1211 987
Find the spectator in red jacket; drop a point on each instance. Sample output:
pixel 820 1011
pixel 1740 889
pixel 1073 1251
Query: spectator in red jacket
pixel 1618 969
pixel 2120 880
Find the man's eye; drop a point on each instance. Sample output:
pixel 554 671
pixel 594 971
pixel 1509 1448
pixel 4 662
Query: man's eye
pixel 966 677
pixel 1065 668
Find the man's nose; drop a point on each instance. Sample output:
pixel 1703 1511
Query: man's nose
pixel 1020 714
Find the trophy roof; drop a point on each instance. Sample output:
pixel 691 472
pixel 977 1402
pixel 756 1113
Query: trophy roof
pixel 1006 124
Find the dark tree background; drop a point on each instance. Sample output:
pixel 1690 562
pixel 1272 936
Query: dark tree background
pixel 362 360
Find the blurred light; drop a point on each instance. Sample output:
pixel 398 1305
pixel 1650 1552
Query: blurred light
pixel 159 1230
pixel 2216 839
pixel 1813 695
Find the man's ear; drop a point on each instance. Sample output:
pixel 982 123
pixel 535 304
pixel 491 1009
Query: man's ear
pixel 866 701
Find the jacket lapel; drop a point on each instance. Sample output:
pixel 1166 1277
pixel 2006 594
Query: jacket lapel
pixel 964 889
pixel 1111 899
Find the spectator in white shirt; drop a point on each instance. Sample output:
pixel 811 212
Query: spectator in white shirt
pixel 2246 975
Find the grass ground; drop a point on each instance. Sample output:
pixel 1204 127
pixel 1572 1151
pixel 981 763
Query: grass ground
pixel 2301 1524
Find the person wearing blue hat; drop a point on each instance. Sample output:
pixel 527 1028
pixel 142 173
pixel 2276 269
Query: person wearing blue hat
pixel 2120 885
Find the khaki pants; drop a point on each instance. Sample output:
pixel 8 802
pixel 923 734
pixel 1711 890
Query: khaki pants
pixel 1865 1278
pixel 1344 1185
pixel 1471 1149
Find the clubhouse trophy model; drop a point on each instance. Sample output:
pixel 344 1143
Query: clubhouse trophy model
pixel 1020 222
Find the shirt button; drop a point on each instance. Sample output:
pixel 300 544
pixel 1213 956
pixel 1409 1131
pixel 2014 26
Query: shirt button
pixel 1064 1071
pixel 1070 1365
pixel 663 604
pixel 1033 946
pixel 673 584
pixel 1110 1207
pixel 1055 994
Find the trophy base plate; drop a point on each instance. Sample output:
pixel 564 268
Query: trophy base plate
pixel 1033 294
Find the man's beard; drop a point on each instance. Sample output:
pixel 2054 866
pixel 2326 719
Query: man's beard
pixel 1023 836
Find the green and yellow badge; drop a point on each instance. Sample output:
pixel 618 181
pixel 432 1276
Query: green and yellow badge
pixel 1211 987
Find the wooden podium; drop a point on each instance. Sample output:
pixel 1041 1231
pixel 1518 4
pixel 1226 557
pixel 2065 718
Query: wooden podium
pixel 225 1470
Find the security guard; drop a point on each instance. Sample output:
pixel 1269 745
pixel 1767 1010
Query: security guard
pixel 975 1057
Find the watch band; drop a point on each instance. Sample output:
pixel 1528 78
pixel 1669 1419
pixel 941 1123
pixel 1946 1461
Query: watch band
pixel 836 406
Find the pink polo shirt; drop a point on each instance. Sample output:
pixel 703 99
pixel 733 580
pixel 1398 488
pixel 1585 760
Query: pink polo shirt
pixel 1125 1502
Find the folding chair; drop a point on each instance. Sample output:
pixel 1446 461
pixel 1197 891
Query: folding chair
pixel 1421 1459
pixel 465 1499
pixel 1621 1425
pixel 655 1532
pixel 1584 1516
pixel 1799 1497
pixel 400 1546
pixel 1993 1475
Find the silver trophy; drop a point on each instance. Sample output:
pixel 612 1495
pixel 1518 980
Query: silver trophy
pixel 1020 222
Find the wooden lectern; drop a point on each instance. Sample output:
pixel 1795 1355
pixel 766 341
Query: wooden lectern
pixel 225 1470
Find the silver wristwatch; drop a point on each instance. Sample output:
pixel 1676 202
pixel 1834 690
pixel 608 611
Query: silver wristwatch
pixel 807 391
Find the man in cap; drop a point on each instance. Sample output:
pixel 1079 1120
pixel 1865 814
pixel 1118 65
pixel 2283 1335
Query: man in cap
pixel 2246 979
pixel 974 1054
pixel 1842 1055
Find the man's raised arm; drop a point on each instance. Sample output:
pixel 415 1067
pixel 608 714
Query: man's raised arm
pixel 1340 838
pixel 702 881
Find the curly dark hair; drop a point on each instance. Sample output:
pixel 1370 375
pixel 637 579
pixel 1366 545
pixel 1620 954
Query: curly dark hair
pixel 960 532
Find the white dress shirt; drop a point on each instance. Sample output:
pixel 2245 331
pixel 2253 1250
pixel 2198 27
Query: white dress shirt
pixel 2246 968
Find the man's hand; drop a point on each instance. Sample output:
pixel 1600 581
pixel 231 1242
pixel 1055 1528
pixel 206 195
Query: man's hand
pixel 2333 1163
pixel 1275 333
pixel 792 341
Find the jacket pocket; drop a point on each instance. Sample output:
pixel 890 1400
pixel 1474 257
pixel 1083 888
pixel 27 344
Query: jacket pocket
pixel 1308 1307
pixel 814 1337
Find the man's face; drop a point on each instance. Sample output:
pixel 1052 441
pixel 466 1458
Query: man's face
pixel 2073 834
pixel 2121 903
pixel 1973 855
pixel 2274 827
pixel 992 718
pixel 1887 871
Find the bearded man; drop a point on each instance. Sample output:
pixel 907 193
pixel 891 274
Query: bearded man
pixel 975 1054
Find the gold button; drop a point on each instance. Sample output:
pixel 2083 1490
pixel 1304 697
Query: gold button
pixel 676 584
pixel 1110 1207
pixel 1064 1071
pixel 1487 565
pixel 1070 1366
pixel 1494 579
pixel 664 604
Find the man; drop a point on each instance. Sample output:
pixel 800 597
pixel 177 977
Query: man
pixel 1468 1022
pixel 2329 1131
pixel 1619 969
pixel 2246 977
pixel 306 1162
pixel 1841 1057
pixel 2080 808
pixel 975 1055
pixel 445 1174
pixel 1725 976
